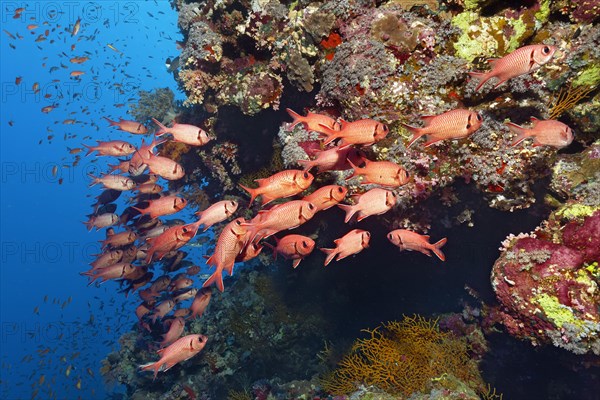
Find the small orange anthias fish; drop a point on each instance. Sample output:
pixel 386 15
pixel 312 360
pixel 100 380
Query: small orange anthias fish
pixel 279 218
pixel 544 133
pixel 313 122
pixel 376 201
pixel 384 173
pixel 117 148
pixel 327 196
pixel 293 247
pixel 408 240
pixel 129 126
pixel 351 243
pixel 183 133
pixel 453 124
pixel 334 159
pixel 163 206
pixel 183 349
pixel 520 62
pixel 230 243
pixel 200 303
pixel 363 132
pixel 217 212
pixel 280 185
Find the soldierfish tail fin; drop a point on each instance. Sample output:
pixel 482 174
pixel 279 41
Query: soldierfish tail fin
pixel 111 122
pixel 356 169
pixel 297 118
pixel 253 193
pixel 163 129
pixel 331 134
pixel 349 210
pixel 331 253
pixel 90 274
pixel 436 248
pixel 153 366
pixel 482 77
pixel 216 278
pixel 91 149
pixel 94 179
pixel 269 245
pixel 416 133
pixel 522 133
pixel 307 164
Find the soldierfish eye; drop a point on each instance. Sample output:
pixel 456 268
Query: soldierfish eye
pixel 546 50
pixel 390 236
pixel 311 206
pixel 238 222
pixel 340 189
pixel 479 118
pixel 368 234
pixel 233 203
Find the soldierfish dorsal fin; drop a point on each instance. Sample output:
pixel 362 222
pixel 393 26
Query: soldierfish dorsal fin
pixel 493 62
pixel 427 119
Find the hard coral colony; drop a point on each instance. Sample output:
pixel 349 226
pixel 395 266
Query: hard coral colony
pixel 381 69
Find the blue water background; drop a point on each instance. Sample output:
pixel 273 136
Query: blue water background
pixel 44 244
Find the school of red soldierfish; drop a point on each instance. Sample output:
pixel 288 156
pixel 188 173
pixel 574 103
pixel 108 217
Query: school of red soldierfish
pixel 240 240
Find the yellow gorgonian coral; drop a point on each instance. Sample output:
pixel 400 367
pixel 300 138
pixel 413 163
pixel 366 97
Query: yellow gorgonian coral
pixel 402 357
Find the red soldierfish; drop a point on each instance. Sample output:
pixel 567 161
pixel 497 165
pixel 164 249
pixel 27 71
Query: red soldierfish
pixel 119 239
pixel 116 271
pixel 230 243
pixel 216 213
pixel 183 349
pixel 281 217
pixel 176 326
pixel 101 221
pixel 384 173
pixel 408 240
pixel 280 185
pixel 200 303
pixel 162 309
pixel 334 159
pixel 165 167
pixel 313 122
pixel 115 182
pixel 373 202
pixel 521 61
pixel 117 148
pixel 454 124
pixel 351 243
pixel 326 196
pixel 362 132
pixel 163 206
pixel 172 239
pixel 544 133
pixel 249 252
pixel 137 162
pixel 106 259
pixel 293 247
pixel 183 133
pixel 129 126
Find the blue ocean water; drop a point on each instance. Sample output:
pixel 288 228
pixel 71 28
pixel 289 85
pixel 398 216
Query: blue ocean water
pixel 55 329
